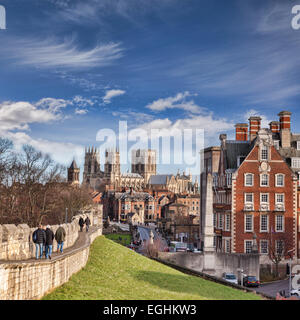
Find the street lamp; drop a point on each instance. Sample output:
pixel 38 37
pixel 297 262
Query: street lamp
pixel 290 271
pixel 66 217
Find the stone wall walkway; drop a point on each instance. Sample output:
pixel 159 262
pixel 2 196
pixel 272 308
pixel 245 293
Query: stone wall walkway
pixel 82 241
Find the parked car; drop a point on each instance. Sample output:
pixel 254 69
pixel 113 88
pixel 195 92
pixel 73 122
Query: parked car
pixel 251 281
pixel 197 250
pixel 190 247
pixel 181 247
pixel 295 292
pixel 230 277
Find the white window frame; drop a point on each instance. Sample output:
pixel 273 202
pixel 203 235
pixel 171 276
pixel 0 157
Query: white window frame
pixel 227 222
pixel 276 199
pixel 260 246
pixel 276 144
pixel 220 221
pixel 276 179
pixel 264 202
pixel 245 245
pixel 245 180
pixel 260 223
pixel 247 194
pixel 276 247
pixel 276 223
pixel 298 145
pixel 227 245
pixel 295 162
pixel 215 220
pixel 245 222
pixel 261 179
pixel 262 149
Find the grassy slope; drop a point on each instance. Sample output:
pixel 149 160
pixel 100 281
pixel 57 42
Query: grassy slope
pixel 115 272
pixel 125 238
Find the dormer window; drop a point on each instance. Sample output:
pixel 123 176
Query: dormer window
pixel 296 163
pixel 264 153
pixel 276 144
pixel 240 160
pixel 298 145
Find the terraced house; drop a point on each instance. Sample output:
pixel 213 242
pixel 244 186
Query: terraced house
pixel 257 189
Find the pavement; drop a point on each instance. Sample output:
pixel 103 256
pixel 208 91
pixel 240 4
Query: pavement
pixel 79 243
pixel 274 287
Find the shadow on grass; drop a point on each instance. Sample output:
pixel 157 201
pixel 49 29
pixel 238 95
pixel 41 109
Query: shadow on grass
pixel 190 285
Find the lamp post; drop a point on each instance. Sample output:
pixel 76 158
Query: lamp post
pixel 66 217
pixel 290 271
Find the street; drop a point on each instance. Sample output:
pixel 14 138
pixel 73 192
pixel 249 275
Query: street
pixel 273 288
pixel 145 234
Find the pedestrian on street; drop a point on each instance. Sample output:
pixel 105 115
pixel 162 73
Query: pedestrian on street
pixel 60 236
pixel 87 223
pixel 49 242
pixel 81 223
pixel 39 238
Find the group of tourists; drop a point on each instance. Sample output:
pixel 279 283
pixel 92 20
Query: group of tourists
pixel 86 222
pixel 43 239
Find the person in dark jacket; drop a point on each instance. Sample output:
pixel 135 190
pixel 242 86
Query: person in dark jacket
pixel 81 223
pixel 87 223
pixel 49 242
pixel 39 238
pixel 60 236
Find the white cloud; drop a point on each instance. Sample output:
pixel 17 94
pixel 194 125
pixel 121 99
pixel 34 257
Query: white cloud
pixel 109 94
pixel 18 115
pixel 81 111
pixel 61 152
pixel 175 102
pixel 51 53
pixel 264 119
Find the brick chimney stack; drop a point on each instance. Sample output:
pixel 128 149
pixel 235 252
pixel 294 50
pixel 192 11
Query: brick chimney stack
pixel 275 126
pixel 285 128
pixel 241 130
pixel 255 123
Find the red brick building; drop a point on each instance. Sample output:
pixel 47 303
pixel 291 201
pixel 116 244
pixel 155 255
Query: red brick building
pixel 256 189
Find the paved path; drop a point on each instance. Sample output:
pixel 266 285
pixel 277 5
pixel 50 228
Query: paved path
pixel 273 288
pixel 80 242
pixel 145 234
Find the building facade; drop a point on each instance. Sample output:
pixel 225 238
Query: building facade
pixel 256 190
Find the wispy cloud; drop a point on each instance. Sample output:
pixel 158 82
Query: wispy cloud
pixel 109 94
pixel 176 102
pixel 52 53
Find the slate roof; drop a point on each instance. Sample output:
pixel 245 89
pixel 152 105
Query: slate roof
pixel 234 149
pixel 159 179
pixel 133 196
pixel 73 165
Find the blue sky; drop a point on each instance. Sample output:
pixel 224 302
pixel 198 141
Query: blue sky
pixel 71 68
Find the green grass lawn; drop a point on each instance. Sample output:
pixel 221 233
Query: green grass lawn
pixel 123 239
pixel 118 273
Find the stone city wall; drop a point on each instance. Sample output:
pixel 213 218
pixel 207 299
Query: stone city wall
pixel 16 241
pixel 224 262
pixel 31 281
pixel 27 280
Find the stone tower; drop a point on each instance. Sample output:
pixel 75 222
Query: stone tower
pixel 143 162
pixel 92 174
pixel 73 173
pixel 112 169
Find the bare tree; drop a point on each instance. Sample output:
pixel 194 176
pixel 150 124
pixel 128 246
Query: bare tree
pixel 279 244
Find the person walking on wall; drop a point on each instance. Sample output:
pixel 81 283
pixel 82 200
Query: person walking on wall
pixel 60 236
pixel 49 242
pixel 39 238
pixel 81 223
pixel 87 223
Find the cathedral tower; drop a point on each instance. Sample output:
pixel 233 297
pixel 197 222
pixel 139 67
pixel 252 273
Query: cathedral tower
pixel 73 174
pixel 112 169
pixel 143 162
